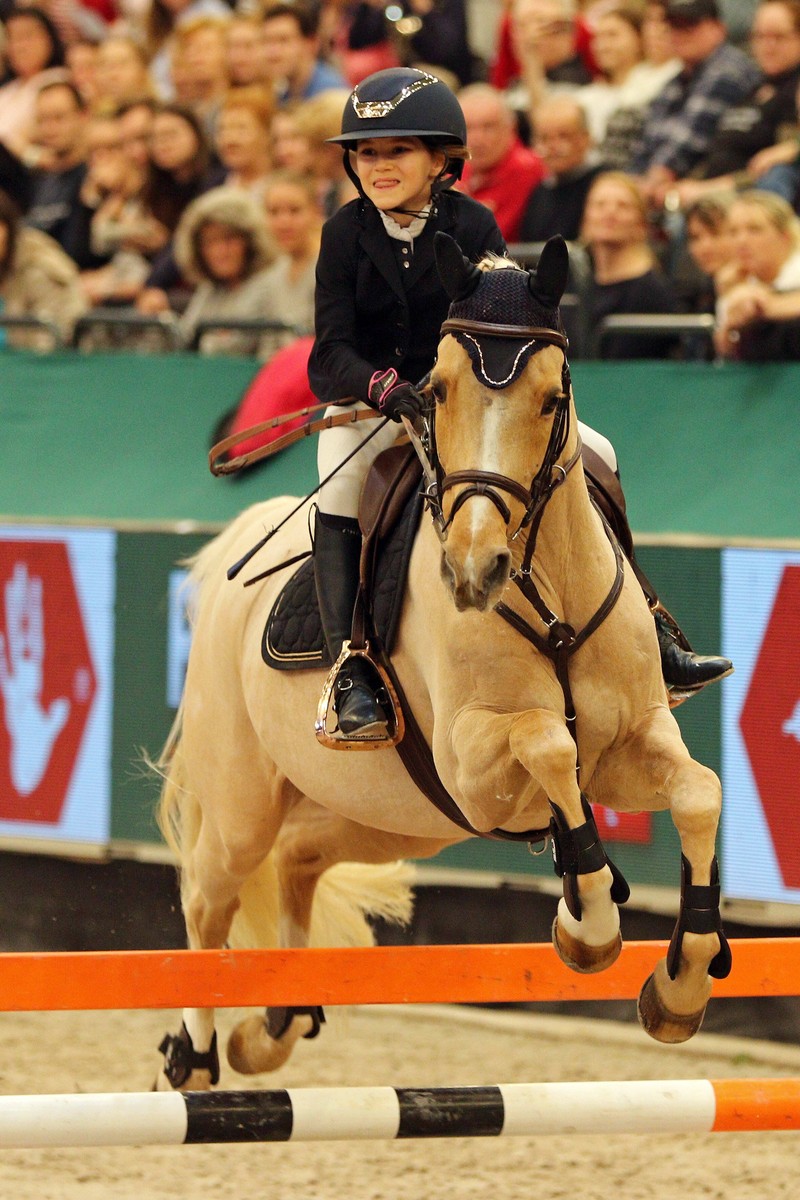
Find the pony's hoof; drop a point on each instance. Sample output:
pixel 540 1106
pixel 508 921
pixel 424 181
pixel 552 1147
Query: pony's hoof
pixel 252 1051
pixel 661 1024
pixel 198 1081
pixel 578 956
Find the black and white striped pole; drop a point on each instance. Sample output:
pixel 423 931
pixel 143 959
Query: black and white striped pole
pixel 387 1113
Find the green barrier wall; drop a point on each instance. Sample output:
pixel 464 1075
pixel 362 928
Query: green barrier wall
pixel 704 451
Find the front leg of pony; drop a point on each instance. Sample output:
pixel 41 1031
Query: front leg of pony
pixel 651 771
pixel 586 929
pixel 673 1001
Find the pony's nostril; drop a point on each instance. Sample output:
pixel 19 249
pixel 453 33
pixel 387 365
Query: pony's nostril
pixel 497 572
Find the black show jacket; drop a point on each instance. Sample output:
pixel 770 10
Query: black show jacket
pixel 371 312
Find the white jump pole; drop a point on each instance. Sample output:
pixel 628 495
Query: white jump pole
pixel 386 1113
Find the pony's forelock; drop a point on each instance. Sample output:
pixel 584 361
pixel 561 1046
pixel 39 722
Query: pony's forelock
pixel 496 262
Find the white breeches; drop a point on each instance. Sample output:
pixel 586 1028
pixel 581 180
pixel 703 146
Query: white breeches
pixel 601 445
pixel 339 497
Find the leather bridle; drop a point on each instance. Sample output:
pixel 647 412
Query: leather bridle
pixel 490 484
pixel 559 640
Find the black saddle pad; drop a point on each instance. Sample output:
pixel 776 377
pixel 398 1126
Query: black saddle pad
pixel 293 638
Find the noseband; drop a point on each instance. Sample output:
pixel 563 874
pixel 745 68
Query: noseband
pixel 490 484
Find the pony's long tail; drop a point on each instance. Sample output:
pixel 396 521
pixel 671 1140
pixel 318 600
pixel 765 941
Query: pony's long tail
pixel 348 897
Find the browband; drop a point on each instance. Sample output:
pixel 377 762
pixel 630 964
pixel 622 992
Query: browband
pixel 520 332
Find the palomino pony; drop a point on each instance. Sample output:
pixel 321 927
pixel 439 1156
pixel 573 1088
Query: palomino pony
pixel 527 653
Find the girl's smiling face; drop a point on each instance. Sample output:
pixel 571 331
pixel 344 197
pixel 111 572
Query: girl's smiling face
pixel 397 172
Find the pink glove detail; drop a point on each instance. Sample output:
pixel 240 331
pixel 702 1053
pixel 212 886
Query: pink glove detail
pixel 394 397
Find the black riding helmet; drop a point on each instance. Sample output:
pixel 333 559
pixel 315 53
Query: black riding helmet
pixel 404 102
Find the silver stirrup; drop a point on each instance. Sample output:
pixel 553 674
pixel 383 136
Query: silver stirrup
pixel 326 727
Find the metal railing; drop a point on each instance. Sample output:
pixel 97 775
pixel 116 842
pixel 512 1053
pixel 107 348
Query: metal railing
pixel 253 325
pixel 122 330
pixel 34 324
pixel 693 333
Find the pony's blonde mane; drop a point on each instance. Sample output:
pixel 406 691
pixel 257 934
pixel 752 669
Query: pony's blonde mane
pixel 496 262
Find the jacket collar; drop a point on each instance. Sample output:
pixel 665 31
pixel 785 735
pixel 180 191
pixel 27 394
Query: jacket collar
pixel 378 245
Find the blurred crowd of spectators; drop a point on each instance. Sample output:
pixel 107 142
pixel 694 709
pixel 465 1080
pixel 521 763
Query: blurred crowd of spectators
pixel 168 158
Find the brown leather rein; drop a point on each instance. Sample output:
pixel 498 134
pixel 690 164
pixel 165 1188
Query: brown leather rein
pixel 228 466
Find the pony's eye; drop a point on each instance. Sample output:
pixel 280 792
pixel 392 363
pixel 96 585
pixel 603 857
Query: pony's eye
pixel 551 404
pixel 436 392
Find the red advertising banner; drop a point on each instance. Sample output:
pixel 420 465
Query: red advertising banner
pixel 47 679
pixel 623 827
pixel 770 724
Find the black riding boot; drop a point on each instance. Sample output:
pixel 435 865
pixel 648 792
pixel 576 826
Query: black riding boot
pixel 337 551
pixel 684 671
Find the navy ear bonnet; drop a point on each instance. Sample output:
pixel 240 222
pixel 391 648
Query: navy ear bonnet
pixel 503 316
pixel 502 297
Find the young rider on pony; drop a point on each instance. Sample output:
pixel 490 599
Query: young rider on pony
pixel 379 309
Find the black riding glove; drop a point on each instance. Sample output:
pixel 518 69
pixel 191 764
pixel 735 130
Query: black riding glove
pixel 394 397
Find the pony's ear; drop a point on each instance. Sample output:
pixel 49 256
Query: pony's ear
pixel 550 279
pixel 459 276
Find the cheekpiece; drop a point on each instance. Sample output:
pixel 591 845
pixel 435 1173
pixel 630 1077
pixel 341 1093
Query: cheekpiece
pixel 502 298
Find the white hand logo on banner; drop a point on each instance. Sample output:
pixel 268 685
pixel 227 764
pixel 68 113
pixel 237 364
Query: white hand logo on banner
pixel 792 724
pixel 32 729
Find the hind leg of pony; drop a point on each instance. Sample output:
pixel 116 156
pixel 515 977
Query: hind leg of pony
pixel 210 902
pixel 263 1042
pixel 312 840
pixel 230 845
pixel 654 771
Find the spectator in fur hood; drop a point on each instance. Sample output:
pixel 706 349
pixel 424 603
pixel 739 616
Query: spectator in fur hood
pixel 37 279
pixel 223 248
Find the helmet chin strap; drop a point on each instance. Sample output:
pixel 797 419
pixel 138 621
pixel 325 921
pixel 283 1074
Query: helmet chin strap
pixel 410 212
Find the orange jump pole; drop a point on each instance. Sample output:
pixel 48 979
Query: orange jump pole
pixel 374 975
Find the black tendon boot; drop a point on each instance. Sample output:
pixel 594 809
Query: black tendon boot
pixel 337 551
pixel 685 672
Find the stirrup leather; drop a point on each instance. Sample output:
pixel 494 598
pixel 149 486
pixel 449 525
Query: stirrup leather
pixel 326 725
